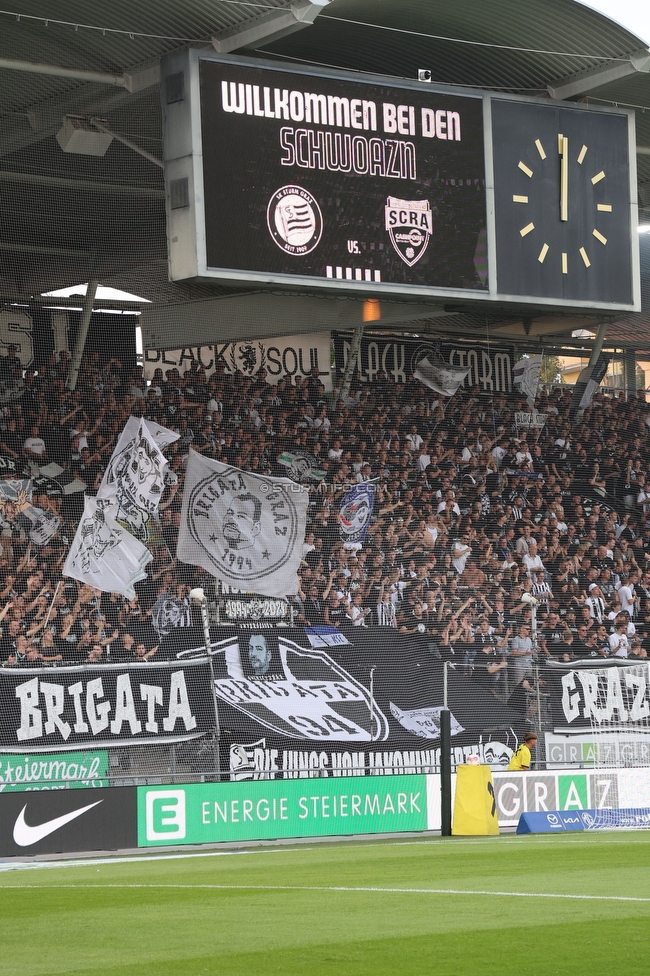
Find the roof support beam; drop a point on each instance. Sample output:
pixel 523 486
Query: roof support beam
pixel 121 189
pixel 584 81
pixel 144 78
pixel 128 143
pixel 47 116
pixel 270 26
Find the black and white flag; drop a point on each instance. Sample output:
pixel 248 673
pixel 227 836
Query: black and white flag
pixel 134 480
pixel 586 386
pixel 440 377
pixel 104 554
pixel 525 377
pixel 16 510
pixel 245 529
pixel 169 612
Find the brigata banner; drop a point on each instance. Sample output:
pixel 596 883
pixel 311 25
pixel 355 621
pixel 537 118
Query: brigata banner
pixel 57 771
pixel 45 709
pixel 206 813
pixel 489 367
pixel 297 705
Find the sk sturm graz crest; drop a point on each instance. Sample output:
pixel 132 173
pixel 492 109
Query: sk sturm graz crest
pixel 409 224
pixel 242 759
pixel 294 220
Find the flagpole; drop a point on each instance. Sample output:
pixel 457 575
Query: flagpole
pixel 198 594
pixel 56 593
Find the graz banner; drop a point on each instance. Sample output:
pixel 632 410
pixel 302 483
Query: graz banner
pixel 295 710
pixel 489 368
pixel 607 699
pixel 280 358
pixel 44 710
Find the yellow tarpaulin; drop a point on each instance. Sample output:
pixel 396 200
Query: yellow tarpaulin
pixel 475 811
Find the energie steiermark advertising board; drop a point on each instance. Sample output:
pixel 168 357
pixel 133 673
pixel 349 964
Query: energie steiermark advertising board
pixel 205 813
pixel 221 812
pixel 284 174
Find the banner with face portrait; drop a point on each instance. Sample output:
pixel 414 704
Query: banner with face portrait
pixel 245 529
pixel 104 554
pixel 367 705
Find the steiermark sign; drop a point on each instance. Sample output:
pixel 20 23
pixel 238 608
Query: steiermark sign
pixel 205 813
pixel 54 771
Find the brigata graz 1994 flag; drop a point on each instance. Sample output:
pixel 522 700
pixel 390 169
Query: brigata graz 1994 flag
pixel 244 529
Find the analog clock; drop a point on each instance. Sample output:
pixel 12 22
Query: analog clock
pixel 562 203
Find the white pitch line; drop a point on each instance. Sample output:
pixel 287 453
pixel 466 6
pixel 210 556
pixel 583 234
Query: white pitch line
pixel 373 890
pixel 135 859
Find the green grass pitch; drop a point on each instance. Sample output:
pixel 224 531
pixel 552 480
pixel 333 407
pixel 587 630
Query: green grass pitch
pixel 312 910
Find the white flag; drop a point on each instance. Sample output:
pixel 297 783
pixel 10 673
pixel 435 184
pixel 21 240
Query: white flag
pixel 134 480
pixel 440 377
pixel 525 376
pixel 104 554
pixel 246 530
pixel 161 435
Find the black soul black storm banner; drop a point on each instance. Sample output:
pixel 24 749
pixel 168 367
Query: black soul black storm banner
pixel 489 368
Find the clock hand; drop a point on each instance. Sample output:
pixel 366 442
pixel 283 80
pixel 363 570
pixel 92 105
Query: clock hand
pixel 563 149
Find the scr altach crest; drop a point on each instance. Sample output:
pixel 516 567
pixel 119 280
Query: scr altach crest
pixel 409 224
pixel 294 220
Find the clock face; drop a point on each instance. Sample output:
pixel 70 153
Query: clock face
pixel 562 203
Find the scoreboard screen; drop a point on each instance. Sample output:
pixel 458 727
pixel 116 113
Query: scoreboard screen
pixel 277 174
pixel 334 179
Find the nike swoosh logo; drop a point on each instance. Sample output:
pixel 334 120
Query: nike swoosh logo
pixel 25 836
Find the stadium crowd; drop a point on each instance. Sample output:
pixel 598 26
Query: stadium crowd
pixel 472 515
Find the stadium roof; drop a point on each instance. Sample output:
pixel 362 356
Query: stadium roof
pixel 68 218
